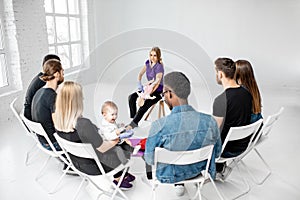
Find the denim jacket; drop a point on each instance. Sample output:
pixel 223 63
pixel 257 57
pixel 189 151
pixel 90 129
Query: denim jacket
pixel 183 129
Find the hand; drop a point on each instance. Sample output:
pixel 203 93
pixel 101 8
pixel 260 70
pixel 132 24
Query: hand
pixel 140 86
pixel 127 134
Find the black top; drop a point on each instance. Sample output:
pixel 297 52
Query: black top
pixel 42 109
pixel 87 132
pixel 234 105
pixel 33 87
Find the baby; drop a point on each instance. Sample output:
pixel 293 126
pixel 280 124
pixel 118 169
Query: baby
pixel 110 130
pixel 145 93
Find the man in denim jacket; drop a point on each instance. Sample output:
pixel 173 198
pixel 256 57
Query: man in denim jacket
pixel 184 129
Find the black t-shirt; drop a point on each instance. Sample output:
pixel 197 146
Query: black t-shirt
pixel 33 87
pixel 87 132
pixel 42 109
pixel 234 105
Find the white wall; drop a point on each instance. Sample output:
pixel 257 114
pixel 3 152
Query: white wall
pixel 191 34
pixel 264 32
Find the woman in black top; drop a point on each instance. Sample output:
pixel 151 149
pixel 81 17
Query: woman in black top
pixel 71 126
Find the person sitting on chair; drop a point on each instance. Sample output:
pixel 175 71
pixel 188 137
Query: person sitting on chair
pixel 154 69
pixel 183 130
pixel 72 126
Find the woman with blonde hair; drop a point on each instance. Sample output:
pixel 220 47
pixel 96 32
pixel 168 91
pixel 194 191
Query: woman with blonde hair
pixel 244 76
pixel 71 125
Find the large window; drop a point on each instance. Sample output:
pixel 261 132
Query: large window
pixel 64 27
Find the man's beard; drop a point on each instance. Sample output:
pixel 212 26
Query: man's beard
pixel 169 105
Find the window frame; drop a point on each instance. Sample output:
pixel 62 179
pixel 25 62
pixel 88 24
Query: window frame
pixel 55 45
pixel 11 86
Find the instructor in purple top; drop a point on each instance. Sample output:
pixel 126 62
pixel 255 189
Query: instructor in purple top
pixel 154 71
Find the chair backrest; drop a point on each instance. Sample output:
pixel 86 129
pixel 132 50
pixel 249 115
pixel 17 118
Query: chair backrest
pixel 17 113
pixel 37 128
pixel 82 150
pixel 270 121
pixel 241 132
pixel 183 157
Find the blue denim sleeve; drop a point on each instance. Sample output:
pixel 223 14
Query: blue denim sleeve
pixel 152 142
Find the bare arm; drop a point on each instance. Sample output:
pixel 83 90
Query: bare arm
pixel 106 145
pixel 219 120
pixel 142 72
pixel 157 81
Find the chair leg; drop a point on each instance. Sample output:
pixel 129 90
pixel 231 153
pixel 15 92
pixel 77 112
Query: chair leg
pixel 117 189
pixel 42 169
pixel 214 185
pixel 32 150
pixel 269 171
pixel 79 188
pixel 52 191
pixel 245 182
pixel 150 111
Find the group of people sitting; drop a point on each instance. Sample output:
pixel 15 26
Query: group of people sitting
pixel 59 109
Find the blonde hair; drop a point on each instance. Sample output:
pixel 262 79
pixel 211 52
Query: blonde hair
pixel 108 104
pixel 68 106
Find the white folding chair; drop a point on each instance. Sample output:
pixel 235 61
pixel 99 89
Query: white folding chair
pixel 184 158
pixel 85 150
pixel 238 133
pixel 18 114
pixel 262 137
pixel 37 129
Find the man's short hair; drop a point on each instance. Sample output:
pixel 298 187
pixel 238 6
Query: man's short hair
pixel 178 83
pixel 49 57
pixel 227 66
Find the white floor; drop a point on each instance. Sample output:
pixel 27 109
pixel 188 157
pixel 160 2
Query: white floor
pixel 17 181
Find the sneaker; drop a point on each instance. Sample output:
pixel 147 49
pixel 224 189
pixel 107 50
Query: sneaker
pixel 125 185
pixel 179 189
pixel 130 177
pixel 225 173
pixel 136 149
pixel 221 176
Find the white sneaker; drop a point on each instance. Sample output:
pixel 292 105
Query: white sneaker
pixel 136 149
pixel 179 189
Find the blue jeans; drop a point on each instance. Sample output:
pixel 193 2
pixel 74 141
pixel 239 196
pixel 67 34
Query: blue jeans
pixel 55 144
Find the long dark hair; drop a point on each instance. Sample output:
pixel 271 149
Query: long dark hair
pixel 244 75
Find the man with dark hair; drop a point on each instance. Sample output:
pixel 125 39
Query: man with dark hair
pixel 34 86
pixel 184 129
pixel 44 100
pixel 231 108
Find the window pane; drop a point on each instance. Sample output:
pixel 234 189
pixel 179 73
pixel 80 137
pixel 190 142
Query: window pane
pixel 64 54
pixel 3 74
pixel 73 7
pixel 60 6
pixel 48 6
pixel 62 29
pixel 52 50
pixel 50 29
pixel 76 54
pixel 75 28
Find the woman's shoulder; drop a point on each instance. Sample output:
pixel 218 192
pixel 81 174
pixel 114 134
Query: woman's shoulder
pixel 82 121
